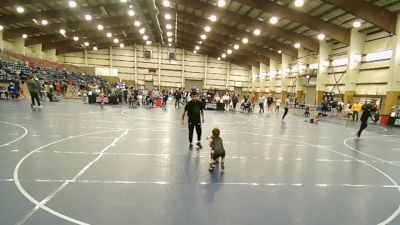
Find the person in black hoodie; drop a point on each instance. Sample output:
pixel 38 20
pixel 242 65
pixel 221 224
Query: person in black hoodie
pixel 366 114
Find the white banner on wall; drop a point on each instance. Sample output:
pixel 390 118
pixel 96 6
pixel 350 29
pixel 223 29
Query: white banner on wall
pixel 101 71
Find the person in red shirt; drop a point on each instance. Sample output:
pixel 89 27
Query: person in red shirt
pixel 58 87
pixel 101 99
pixel 253 101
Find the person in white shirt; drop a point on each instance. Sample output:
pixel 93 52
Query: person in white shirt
pixel 287 102
pixel 216 97
pixel 277 105
pixel 225 98
pixel 261 101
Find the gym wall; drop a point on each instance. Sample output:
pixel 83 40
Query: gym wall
pixel 187 65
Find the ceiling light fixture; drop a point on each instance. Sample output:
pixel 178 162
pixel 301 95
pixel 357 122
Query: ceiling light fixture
pixel 357 24
pixel 123 1
pixel 207 28
pixel 137 23
pixel 169 39
pixel 116 41
pixel 194 51
pixel 88 17
pixel 131 12
pixel 24 36
pixel 167 16
pixel 223 55
pixel 62 31
pixel 72 4
pixel 297 45
pixel 94 48
pixel 86 43
pixel 169 44
pixel 229 51
pixel 213 18
pixel 145 37
pixel 142 30
pixel 148 42
pixel 299 3
pixel 122 45
pixel 1 27
pixel 44 22
pixel 273 20
pixel 245 40
pixel 236 46
pixel 169 34
pixel 100 27
pixel 76 38
pixel 279 52
pixel 321 37
pixel 203 37
pixel 197 47
pixel 221 3
pixel 168 26
pixel 219 58
pixel 20 9
pixel 109 34
pixel 257 32
pixel 166 3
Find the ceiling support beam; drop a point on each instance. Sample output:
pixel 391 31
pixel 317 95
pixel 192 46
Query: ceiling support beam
pixel 307 42
pixel 227 43
pixel 369 12
pixel 335 31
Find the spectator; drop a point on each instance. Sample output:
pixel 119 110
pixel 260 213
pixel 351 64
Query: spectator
pixel 34 91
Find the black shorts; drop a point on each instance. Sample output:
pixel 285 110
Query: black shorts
pixel 216 155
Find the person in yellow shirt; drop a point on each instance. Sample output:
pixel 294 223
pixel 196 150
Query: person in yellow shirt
pixel 356 110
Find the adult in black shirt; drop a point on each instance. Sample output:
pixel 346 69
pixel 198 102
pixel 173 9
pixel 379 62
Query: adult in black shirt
pixel 235 100
pixel 270 100
pixel 177 96
pixel 367 110
pixel 194 109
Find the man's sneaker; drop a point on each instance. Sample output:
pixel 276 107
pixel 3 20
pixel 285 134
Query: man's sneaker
pixel 222 167
pixel 190 146
pixel 40 106
pixel 199 145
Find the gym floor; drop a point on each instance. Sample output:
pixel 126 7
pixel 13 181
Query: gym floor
pixel 70 163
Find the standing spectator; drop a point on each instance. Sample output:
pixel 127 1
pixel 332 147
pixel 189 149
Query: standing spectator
pixel 287 102
pixel 57 86
pixel 349 110
pixel 235 100
pixel 17 83
pixel 34 91
pixel 225 98
pixel 356 110
pixel 261 101
pixel 270 100
pixel 165 98
pixel 177 96
pixel 277 104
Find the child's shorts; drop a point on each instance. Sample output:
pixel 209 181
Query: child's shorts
pixel 216 155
